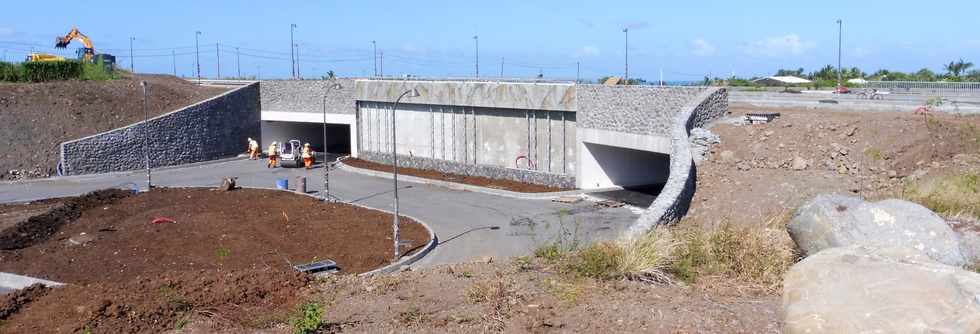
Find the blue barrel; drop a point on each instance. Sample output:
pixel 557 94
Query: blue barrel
pixel 282 184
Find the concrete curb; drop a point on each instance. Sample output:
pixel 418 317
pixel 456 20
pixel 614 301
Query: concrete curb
pixel 17 282
pixel 468 187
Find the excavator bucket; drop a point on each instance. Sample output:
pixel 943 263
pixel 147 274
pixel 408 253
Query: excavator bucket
pixel 60 42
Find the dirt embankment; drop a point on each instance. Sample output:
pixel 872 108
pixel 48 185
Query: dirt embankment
pixel 145 263
pixel 36 117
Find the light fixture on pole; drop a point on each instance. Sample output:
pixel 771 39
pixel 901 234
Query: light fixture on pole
pixel 394 163
pixel 197 53
pixel 292 53
pixel 146 138
pixel 326 164
pixel 627 74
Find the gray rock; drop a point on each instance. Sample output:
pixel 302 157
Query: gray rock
pixel 830 221
pixel 728 157
pixel 862 289
pixel 799 163
pixel 969 234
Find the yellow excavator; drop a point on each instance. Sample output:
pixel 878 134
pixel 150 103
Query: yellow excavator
pixel 43 57
pixel 86 53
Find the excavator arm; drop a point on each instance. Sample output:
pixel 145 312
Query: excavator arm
pixel 62 42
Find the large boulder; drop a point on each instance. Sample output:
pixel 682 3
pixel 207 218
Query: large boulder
pixel 830 221
pixel 862 289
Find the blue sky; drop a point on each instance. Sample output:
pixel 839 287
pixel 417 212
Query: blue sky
pixel 687 39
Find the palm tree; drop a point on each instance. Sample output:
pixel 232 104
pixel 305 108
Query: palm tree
pixel 955 68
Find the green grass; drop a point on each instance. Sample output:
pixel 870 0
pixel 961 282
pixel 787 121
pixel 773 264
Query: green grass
pixel 308 318
pixel 222 253
pixel 874 153
pixel 948 195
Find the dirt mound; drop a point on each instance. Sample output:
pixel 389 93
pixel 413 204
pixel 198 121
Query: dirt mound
pixel 39 228
pixel 15 301
pixel 36 117
pixel 253 298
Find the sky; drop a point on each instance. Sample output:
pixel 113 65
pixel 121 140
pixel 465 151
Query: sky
pixel 685 40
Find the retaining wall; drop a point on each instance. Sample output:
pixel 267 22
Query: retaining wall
pixel 307 96
pixel 209 130
pixel 494 172
pixel 675 197
pixel 632 109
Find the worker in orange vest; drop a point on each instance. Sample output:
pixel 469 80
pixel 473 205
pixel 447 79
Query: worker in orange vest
pixel 253 149
pixel 307 156
pixel 273 155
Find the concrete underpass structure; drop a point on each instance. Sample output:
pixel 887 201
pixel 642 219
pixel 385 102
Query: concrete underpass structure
pixel 557 134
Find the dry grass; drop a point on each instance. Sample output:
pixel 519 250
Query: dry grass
pixel 950 195
pixel 755 253
pixel 500 297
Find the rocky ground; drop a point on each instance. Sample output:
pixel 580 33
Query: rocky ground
pixel 36 117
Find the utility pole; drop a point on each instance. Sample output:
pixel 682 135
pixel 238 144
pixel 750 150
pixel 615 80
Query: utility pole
pixel 840 43
pixel 132 67
pixel 501 67
pixel 382 63
pixel 217 62
pixel 578 71
pixel 238 60
pixel 173 55
pixel 627 31
pixel 298 76
pixel 477 40
pixel 374 46
pixel 197 52
pixel 662 77
pixel 146 138
pixel 292 52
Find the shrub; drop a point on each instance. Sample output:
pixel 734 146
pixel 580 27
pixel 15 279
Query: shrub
pixel 97 71
pixel 648 257
pixel 308 320
pixel 40 71
pixel 11 72
pixel 599 261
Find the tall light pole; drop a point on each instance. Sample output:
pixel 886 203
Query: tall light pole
pixel 238 60
pixel 381 63
pixel 578 70
pixel 326 165
pixel 292 53
pixel 173 55
pixel 146 138
pixel 197 53
pixel 501 67
pixel 394 162
pixel 217 62
pixel 477 40
pixel 627 78
pixel 298 76
pixel 840 43
pixel 132 67
pixel 374 46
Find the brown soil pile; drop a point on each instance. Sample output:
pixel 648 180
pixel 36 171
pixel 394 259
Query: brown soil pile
pixel 226 258
pixel 472 180
pixel 11 303
pixel 36 117
pixel 39 228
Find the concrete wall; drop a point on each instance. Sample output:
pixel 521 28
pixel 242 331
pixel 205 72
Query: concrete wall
pixel 675 197
pixel 212 129
pixel 461 135
pixel 505 95
pixel 307 96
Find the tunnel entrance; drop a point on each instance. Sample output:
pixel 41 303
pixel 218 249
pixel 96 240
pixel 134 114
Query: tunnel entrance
pixel 606 166
pixel 338 135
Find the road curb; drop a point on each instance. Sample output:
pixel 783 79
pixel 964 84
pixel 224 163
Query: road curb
pixel 468 187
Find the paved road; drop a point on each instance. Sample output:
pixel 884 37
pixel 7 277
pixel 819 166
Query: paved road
pixel 461 219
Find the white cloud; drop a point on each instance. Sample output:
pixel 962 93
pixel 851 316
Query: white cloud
pixel 586 51
pixel 700 47
pixel 790 44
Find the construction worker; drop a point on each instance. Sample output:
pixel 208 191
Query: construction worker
pixel 253 149
pixel 307 156
pixel 273 155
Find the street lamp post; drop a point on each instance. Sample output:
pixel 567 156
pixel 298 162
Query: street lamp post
pixel 477 40
pixel 840 43
pixel 292 53
pixel 146 138
pixel 374 47
pixel 132 67
pixel 627 74
pixel 297 61
pixel 197 53
pixel 326 164
pixel 394 162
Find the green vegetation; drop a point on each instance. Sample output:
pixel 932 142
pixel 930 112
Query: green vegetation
pixel 223 252
pixel 758 253
pixel 180 324
pixel 43 71
pixel 950 195
pixel 874 153
pixel 309 319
